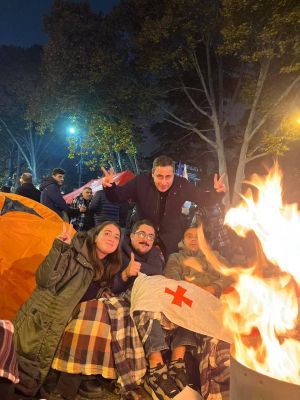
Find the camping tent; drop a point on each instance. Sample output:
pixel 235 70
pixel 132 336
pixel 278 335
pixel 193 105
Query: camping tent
pixel 95 184
pixel 27 231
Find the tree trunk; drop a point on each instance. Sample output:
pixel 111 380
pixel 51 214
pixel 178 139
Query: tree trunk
pixel 118 156
pixel 32 154
pixel 137 168
pixel 240 173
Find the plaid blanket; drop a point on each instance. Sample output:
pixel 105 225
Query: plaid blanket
pixel 102 339
pixel 8 363
pixel 214 355
pixel 214 369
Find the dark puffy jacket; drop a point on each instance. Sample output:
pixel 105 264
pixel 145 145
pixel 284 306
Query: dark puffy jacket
pixel 27 189
pixel 103 209
pixel 152 263
pixel 62 280
pixel 143 192
pixel 52 197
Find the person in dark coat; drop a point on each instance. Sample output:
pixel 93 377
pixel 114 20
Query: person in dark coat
pixel 5 189
pixel 103 209
pixel 138 255
pixel 159 198
pixel 27 188
pixel 52 197
pixel 84 221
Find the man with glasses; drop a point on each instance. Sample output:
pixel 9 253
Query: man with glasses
pixel 159 197
pixel 139 255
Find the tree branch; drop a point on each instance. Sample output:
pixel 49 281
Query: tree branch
pixel 210 79
pixel 257 156
pixel 265 117
pixel 14 139
pixel 259 86
pixel 202 80
pixel 201 111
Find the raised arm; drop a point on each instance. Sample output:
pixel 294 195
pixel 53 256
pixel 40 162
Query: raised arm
pixel 53 268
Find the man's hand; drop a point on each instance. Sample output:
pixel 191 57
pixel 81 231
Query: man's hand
pixel 219 184
pixel 107 180
pixel 133 267
pixel 66 235
pixel 82 209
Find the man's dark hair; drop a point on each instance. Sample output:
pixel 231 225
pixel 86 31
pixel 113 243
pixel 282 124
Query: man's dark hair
pixel 26 177
pixel 163 161
pixel 141 222
pixel 58 171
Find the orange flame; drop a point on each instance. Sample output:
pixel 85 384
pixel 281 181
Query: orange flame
pixel 261 310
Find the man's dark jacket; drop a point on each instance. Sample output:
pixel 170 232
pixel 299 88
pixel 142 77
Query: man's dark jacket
pixel 27 189
pixel 143 192
pixel 152 263
pixel 52 197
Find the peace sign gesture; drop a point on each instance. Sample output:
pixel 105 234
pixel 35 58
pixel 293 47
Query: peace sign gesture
pixel 107 180
pixel 219 185
pixel 66 235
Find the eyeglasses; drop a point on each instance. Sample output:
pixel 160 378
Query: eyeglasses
pixel 144 235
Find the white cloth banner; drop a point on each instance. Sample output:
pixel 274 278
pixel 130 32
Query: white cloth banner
pixel 183 303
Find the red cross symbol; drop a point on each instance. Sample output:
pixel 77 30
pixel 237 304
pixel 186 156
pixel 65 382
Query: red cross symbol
pixel 179 296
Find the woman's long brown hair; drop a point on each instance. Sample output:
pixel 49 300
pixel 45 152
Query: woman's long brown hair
pixel 107 268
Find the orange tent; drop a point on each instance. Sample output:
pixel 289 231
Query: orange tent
pixel 95 184
pixel 27 231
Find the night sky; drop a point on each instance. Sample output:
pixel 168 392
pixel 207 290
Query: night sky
pixel 21 21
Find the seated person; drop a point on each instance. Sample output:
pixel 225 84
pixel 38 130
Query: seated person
pixel 138 255
pixel 164 381
pixel 74 272
pixel 8 365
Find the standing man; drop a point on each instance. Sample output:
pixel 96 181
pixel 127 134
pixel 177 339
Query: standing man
pixel 159 197
pixel 52 197
pixel 84 221
pixel 138 255
pixel 27 188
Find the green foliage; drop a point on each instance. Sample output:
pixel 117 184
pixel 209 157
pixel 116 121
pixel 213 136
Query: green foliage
pixel 83 68
pixel 255 30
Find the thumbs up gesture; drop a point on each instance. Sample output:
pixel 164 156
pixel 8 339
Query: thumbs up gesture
pixel 133 267
pixel 107 180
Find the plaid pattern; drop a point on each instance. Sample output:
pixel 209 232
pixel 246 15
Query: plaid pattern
pixel 144 321
pixel 78 222
pixel 8 363
pixel 126 345
pixel 102 339
pixel 85 347
pixel 214 369
pixel 214 355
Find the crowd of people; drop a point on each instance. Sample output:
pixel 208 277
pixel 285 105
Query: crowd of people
pixel 76 331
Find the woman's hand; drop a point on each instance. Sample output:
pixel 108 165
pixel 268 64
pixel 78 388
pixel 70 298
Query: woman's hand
pixel 66 235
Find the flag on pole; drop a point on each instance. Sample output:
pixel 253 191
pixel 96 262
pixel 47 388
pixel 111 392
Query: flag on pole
pixel 184 173
pixel 180 169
